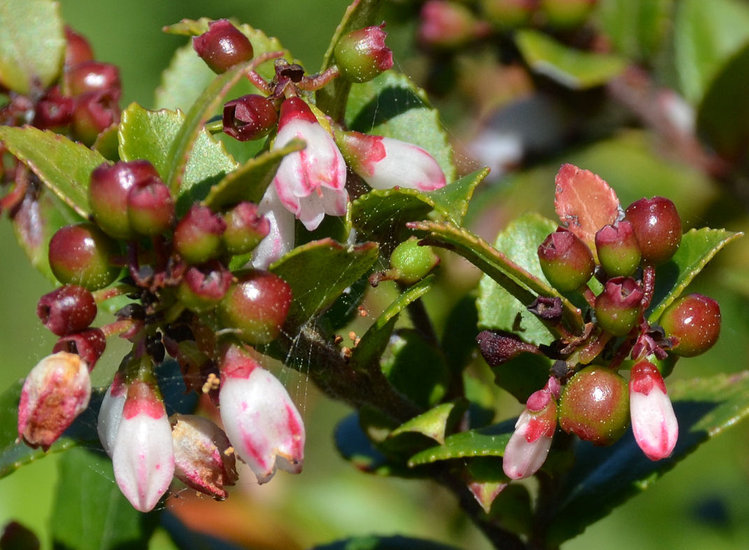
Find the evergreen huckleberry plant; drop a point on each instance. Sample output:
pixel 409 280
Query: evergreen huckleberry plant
pixel 313 244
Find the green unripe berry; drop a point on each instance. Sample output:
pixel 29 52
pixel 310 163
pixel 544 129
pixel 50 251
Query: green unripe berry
pixel 410 262
pixel 566 261
pixel 361 55
pixel 595 406
pixel 82 255
pixel 618 251
pixel 619 306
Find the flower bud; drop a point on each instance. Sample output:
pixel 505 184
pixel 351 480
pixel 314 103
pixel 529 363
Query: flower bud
pixel 310 183
pixel 619 306
pixel 361 55
pixel 222 46
pixel 108 193
pixel 385 162
pixel 142 456
pixel 89 344
pixel 245 228
pixel 68 309
pixel 150 207
pixel 81 255
pixel 203 286
pixel 595 406
pixel 55 392
pixel 256 305
pixel 249 117
pixel 566 261
pixel 259 417
pixel 657 227
pixel 618 251
pixel 693 321
pixel 197 237
pixel 653 420
pixel 203 459
pixel 110 413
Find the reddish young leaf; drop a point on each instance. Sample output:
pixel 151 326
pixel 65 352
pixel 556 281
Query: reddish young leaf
pixel 584 202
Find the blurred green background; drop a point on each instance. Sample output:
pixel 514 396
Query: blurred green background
pixel 702 504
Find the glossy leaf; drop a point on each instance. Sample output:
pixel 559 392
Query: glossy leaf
pixel 486 481
pixel 63 165
pixel 381 215
pixel 605 477
pixel 151 135
pixel 584 202
pixel 572 68
pixel 251 179
pixel 698 246
pixel 499 309
pixel 452 200
pixel 393 106
pixel 379 542
pixel 723 115
pixel 32 43
pixel 636 28
pixel 706 34
pixel 514 278
pixel 342 267
pixel 86 490
pixel 489 441
pixel 432 424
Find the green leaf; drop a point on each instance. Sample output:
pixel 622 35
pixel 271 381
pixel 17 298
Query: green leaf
pixel 518 281
pixel 182 147
pixel 393 106
pixel 432 424
pixel 523 374
pixel 14 455
pixel 90 512
pixel 572 68
pixel 63 165
pixel 34 223
pixel 381 215
pixel 459 335
pixel 452 200
pixel 498 309
pixel 723 114
pixel 698 246
pixel 366 354
pixel 341 265
pixel 636 28
pixel 488 441
pixel 605 477
pixel 32 43
pixel 152 135
pixel 354 445
pixel 379 542
pixel 706 34
pixel 249 181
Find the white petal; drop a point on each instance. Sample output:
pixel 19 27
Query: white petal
pixel 280 239
pixel 405 165
pixel 110 415
pixel 654 423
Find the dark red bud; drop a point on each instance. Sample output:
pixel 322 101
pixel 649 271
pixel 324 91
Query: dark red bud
pixel 78 49
pixel 249 117
pixel 222 46
pixel 93 76
pixel 68 309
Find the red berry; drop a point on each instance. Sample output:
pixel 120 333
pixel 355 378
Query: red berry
pixel 256 306
pixel 109 190
pixel 77 49
pixel 222 46
pixel 93 76
pixel 657 227
pixel 94 112
pixel 566 261
pixel 88 344
pixel 150 207
pixel 249 117
pixel 245 228
pixel 54 110
pixel 68 309
pixel 619 306
pixel 694 322
pixel 81 255
pixel 595 405
pixel 197 237
pixel 618 251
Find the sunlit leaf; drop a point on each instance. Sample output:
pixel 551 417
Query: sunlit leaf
pixel 489 441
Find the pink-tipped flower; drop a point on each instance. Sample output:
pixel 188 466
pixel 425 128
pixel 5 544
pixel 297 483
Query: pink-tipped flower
pixel 203 458
pixel 110 413
pixel 143 458
pixel 530 442
pixel 259 417
pixel 310 182
pixel 385 162
pixel 653 420
pixel 55 392
pixel 280 238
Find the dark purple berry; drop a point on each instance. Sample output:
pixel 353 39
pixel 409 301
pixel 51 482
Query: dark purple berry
pixel 245 228
pixel 657 227
pixel 619 306
pixel 54 110
pixel 203 287
pixel 693 321
pixel 197 237
pixel 222 46
pixel 77 50
pixel 256 305
pixel 249 117
pixel 94 112
pixel 108 194
pixel 595 405
pixel 82 255
pixel 68 309
pixel 150 207
pixel 566 261
pixel 361 55
pixel 89 344
pixel 618 251
pixel 93 76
